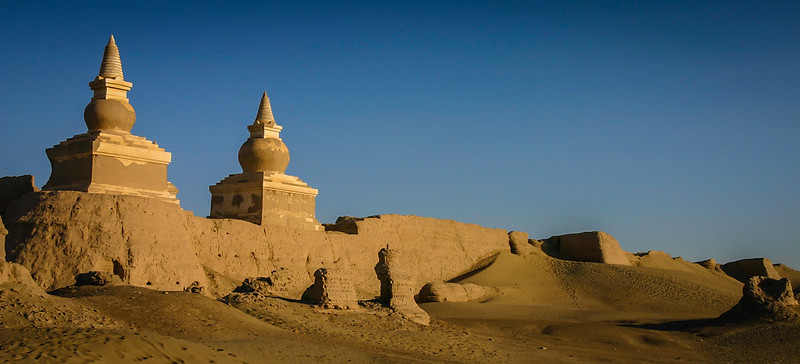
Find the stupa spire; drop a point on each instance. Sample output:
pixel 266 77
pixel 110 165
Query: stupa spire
pixel 111 66
pixel 264 115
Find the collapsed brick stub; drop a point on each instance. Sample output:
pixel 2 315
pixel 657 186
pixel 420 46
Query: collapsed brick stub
pixel 396 282
pixel 398 286
pixel 453 292
pixel 97 278
pixel 332 289
pixel 3 233
pixel 711 265
pixel 14 187
pixel 348 224
pixel 277 284
pixel 765 298
pixel 194 287
pixel 519 243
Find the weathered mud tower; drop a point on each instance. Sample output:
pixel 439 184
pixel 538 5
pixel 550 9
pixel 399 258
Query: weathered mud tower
pixel 107 158
pixel 263 193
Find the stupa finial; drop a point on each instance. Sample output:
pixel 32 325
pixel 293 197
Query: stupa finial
pixel 111 66
pixel 264 115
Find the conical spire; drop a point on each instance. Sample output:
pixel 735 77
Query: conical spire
pixel 112 65
pixel 264 115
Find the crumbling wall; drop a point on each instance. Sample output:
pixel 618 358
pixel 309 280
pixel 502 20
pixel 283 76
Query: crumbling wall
pixel 591 246
pixel 743 269
pixel 147 242
pixel 436 249
pixel 60 234
pixel 237 250
pixel 14 187
pixel 332 288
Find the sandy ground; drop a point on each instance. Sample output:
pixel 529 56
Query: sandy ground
pixel 545 310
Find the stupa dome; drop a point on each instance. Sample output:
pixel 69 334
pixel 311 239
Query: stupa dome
pixel 264 154
pixel 109 114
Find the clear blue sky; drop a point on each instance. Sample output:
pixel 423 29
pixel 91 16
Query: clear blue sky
pixel 671 125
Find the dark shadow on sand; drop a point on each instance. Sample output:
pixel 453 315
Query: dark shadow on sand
pixel 681 325
pixel 477 268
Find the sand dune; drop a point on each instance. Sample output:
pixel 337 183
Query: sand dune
pixel 537 279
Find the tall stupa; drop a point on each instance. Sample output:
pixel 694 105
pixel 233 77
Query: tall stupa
pixel 107 158
pixel 263 194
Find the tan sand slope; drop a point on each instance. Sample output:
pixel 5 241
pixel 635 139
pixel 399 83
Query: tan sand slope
pixel 271 330
pixel 553 334
pixel 163 327
pixel 26 305
pixel 75 345
pixel 159 325
pixel 537 279
pixel 557 311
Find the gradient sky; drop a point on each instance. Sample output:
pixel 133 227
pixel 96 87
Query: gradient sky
pixel 673 126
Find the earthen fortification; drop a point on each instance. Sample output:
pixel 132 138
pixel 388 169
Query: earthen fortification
pixel 152 243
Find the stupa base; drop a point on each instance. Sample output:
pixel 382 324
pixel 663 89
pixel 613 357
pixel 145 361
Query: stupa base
pixel 265 198
pixel 111 162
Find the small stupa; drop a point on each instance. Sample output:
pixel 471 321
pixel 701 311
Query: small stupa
pixel 107 158
pixel 263 194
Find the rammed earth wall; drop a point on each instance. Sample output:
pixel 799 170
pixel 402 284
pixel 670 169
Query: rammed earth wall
pixel 151 243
